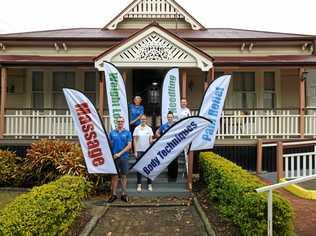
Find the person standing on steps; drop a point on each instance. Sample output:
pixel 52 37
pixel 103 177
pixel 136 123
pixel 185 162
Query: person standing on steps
pixel 173 166
pixel 136 110
pixel 184 110
pixel 142 138
pixel 121 142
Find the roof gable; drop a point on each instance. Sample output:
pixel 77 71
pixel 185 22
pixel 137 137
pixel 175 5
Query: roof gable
pixel 155 46
pixel 154 9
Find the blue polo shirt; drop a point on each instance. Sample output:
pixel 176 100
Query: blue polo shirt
pixel 135 111
pixel 119 141
pixel 163 128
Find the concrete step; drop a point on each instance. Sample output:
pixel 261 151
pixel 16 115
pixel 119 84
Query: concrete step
pixel 181 190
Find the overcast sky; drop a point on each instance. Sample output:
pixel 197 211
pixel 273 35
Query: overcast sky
pixel 291 16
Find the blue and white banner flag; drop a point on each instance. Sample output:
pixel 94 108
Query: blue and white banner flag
pixel 211 108
pixel 116 95
pixel 159 155
pixel 171 95
pixel 92 136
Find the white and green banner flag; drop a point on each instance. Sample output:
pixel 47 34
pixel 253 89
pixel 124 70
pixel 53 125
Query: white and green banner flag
pixel 92 135
pixel 161 153
pixel 116 95
pixel 171 95
pixel 211 108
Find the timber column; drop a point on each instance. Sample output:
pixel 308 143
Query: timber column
pixel 184 84
pixel 302 103
pixel 101 93
pixel 3 100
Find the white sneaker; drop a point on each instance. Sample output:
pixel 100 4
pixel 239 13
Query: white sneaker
pixel 139 188
pixel 150 187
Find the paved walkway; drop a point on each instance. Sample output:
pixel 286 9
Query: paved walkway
pixel 128 219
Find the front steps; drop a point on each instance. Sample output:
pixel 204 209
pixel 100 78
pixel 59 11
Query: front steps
pixel 161 185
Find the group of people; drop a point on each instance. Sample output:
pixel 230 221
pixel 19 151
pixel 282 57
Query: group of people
pixel 138 139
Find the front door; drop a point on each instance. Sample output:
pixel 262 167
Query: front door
pixel 147 83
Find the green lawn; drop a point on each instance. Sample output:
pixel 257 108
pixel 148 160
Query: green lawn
pixel 7 196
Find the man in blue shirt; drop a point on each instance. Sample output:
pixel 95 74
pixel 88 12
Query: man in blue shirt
pixel 121 141
pixel 136 110
pixel 173 166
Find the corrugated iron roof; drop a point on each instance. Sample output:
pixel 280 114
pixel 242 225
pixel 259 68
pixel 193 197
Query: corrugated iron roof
pixel 98 34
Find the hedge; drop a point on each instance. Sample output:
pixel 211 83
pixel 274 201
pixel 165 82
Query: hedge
pixel 9 168
pixel 233 189
pixel 46 210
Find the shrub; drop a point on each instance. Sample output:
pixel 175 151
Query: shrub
pixel 234 190
pixel 9 166
pixel 46 210
pixel 48 159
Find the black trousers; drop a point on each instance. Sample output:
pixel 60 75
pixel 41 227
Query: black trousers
pixel 173 170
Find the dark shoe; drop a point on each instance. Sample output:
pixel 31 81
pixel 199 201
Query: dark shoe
pixel 124 198
pixel 112 198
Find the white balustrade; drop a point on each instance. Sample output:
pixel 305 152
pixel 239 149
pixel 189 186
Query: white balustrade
pixel 310 123
pixel 299 164
pixel 235 124
pixel 253 124
pixel 36 124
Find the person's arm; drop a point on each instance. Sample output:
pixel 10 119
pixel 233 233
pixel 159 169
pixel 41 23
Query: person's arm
pixel 110 139
pixel 158 134
pixel 151 137
pixel 125 149
pixel 135 139
pixel 130 114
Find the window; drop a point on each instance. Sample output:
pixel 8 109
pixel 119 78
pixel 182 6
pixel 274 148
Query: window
pixel 269 90
pixel 37 90
pixel 62 80
pixel 244 89
pixel 90 85
pixel 16 81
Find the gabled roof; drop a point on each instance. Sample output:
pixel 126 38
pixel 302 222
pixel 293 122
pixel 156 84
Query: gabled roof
pixel 155 46
pixel 154 9
pixel 213 34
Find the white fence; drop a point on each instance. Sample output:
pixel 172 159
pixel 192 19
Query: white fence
pixel 253 124
pixel 299 164
pixel 235 124
pixel 39 124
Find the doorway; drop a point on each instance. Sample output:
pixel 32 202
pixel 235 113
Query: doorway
pixel 147 83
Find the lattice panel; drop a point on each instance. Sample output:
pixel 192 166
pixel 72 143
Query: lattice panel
pixel 154 9
pixel 155 48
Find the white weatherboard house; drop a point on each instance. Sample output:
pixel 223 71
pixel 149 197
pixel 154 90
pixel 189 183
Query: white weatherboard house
pixel 272 94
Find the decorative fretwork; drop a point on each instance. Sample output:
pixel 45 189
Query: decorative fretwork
pixel 155 48
pixel 154 9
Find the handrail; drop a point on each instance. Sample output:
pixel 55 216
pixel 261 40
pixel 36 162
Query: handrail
pixel 290 143
pixel 284 184
pixel 270 188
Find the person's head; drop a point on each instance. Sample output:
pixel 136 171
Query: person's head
pixel 120 122
pixel 170 117
pixel 137 100
pixel 184 103
pixel 143 119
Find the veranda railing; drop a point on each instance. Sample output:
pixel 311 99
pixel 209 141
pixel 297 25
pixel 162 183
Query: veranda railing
pixel 34 124
pixel 260 123
pixel 235 123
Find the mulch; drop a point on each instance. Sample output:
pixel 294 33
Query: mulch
pixel 221 225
